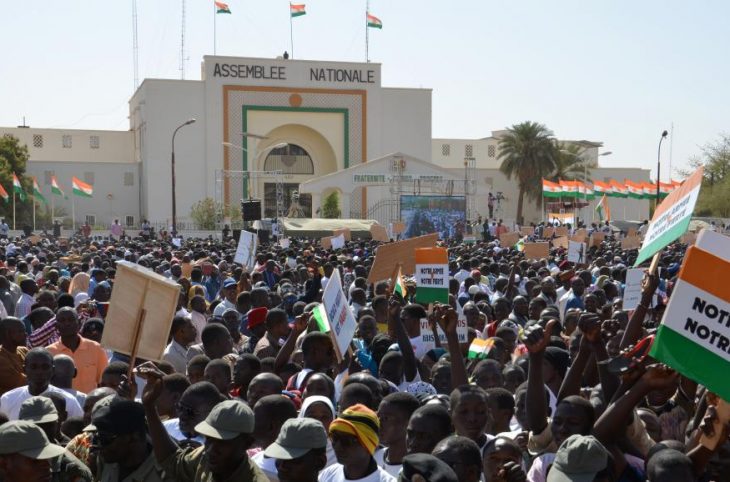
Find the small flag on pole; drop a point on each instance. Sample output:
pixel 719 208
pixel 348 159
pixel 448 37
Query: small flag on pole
pixel 55 189
pixel 18 188
pixel 82 189
pixel 297 10
pixel 374 22
pixel 37 192
pixel 603 210
pixel 222 7
pixel 479 349
pixel 400 286
pixel 4 194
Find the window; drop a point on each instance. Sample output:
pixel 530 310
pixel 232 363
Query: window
pixel 47 176
pixel 66 141
pixel 290 159
pixel 129 179
pixel 91 219
pixel 94 142
pixel 89 177
pixel 492 151
pixel 37 140
pixel 446 150
pixel 469 150
pixel 129 221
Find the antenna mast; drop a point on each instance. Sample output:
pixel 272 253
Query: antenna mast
pixel 182 43
pixel 135 44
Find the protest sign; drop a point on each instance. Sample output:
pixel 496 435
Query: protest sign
pixel 338 242
pixel 339 317
pixel 548 232
pixel 576 252
pixel 177 242
pixel 527 230
pixel 632 291
pixel 345 232
pixel 671 219
pixel 379 233
pixel 432 275
pixel 561 242
pixel 561 231
pixel 140 314
pixel 537 250
pixel 399 227
pixel 694 336
pixel 284 242
pixel 389 255
pixel 470 239
pixel 631 232
pixel 246 250
pixel 507 240
pixel 688 238
pixel 596 239
pixel 631 242
pixel 326 242
pixel 462 333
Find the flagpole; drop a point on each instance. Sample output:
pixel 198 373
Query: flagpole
pixel 13 209
pixel 291 31
pixel 73 215
pixel 367 32
pixel 33 213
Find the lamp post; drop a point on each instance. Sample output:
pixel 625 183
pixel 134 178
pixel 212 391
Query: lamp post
pixel 172 164
pixel 659 165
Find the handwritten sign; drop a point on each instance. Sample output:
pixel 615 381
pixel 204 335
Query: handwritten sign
pixel 387 256
pixel 339 316
pixel 507 240
pixel 537 250
pixel 631 242
pixel 561 242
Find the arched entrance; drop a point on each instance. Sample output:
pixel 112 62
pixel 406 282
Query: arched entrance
pixel 292 160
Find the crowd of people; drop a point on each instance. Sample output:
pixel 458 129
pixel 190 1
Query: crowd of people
pixel 249 389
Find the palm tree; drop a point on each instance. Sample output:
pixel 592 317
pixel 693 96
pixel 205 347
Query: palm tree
pixel 569 163
pixel 527 152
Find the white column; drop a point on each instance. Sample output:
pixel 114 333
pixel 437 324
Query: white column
pixel 345 205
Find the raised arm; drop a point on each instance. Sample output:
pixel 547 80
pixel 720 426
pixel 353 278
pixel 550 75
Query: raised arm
pixel 163 445
pixel 536 339
pixel 635 326
pixel 300 326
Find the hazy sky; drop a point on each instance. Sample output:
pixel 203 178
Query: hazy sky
pixel 613 71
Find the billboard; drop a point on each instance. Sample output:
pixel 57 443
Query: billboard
pixel 432 214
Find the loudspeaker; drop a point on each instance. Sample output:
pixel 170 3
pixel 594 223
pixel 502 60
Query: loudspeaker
pixel 251 210
pixel 236 234
pixel 264 235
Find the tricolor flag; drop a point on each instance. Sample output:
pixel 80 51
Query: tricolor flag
pixel 588 191
pixel 600 187
pixel 520 245
pixel 635 190
pixel 603 210
pixel 479 349
pixel 570 188
pixel 221 7
pixel 18 188
pixel 320 316
pixel 665 188
pixel 4 194
pixel 617 189
pixel 400 286
pixel 297 10
pixel 37 192
pixel 55 189
pixel 648 189
pixel 82 189
pixel 374 22
pixel 551 189
pixel 432 275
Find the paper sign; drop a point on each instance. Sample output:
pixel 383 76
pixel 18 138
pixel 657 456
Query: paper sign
pixel 339 316
pixel 379 233
pixel 507 240
pixel 694 336
pixel 630 242
pixel 137 288
pixel 177 242
pixel 344 232
pixel 432 275
pixel 576 252
pixel 462 332
pixel 671 219
pixel 246 250
pixel 537 251
pixel 561 242
pixel 632 291
pixel 338 242
pixel 387 256
pixel 284 243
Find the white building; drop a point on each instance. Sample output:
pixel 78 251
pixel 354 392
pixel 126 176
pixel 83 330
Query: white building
pixel 322 126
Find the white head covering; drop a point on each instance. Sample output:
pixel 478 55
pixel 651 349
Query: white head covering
pixel 314 399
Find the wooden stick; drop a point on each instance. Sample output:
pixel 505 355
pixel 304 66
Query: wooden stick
pixel 655 263
pixel 137 335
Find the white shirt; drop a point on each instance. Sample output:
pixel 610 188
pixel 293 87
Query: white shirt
pixel 461 275
pixel 267 466
pixel 11 401
pixel 173 430
pixel 176 354
pixel 222 307
pixel 392 469
pixel 336 473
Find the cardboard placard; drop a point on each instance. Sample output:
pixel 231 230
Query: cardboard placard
pixel 398 227
pixel 597 239
pixel 344 232
pixel 186 268
pixel 561 242
pixel 537 251
pixel 246 250
pixel 548 232
pixel 688 238
pixel 379 233
pixel 35 239
pixel 581 232
pixel 135 289
pixel 631 242
pixel 389 255
pixel 326 242
pixel 527 230
pixel 561 231
pixel 631 232
pixel 507 240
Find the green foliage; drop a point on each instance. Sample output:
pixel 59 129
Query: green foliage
pixel 714 199
pixel 527 152
pixel 205 213
pixel 13 159
pixel 569 163
pixel 331 206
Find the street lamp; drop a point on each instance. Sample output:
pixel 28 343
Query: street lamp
pixel 659 165
pixel 174 206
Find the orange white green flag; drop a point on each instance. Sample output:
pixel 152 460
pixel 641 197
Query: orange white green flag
pixel 18 188
pixel 55 189
pixel 479 349
pixel 297 10
pixel 551 189
pixel 432 275
pixel 374 22
pixel 400 285
pixel 80 188
pixel 603 209
pixel 37 192
pixel 671 219
pixel 221 7
pixel 4 194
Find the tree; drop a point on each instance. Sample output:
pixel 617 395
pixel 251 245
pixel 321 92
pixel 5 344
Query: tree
pixel 13 159
pixel 714 199
pixel 331 207
pixel 527 153
pixel 204 214
pixel 569 163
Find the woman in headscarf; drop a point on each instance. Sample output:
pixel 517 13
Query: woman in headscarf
pixel 321 408
pixel 79 284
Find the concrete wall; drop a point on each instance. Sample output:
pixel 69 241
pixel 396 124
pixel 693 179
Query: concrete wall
pixel 405 123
